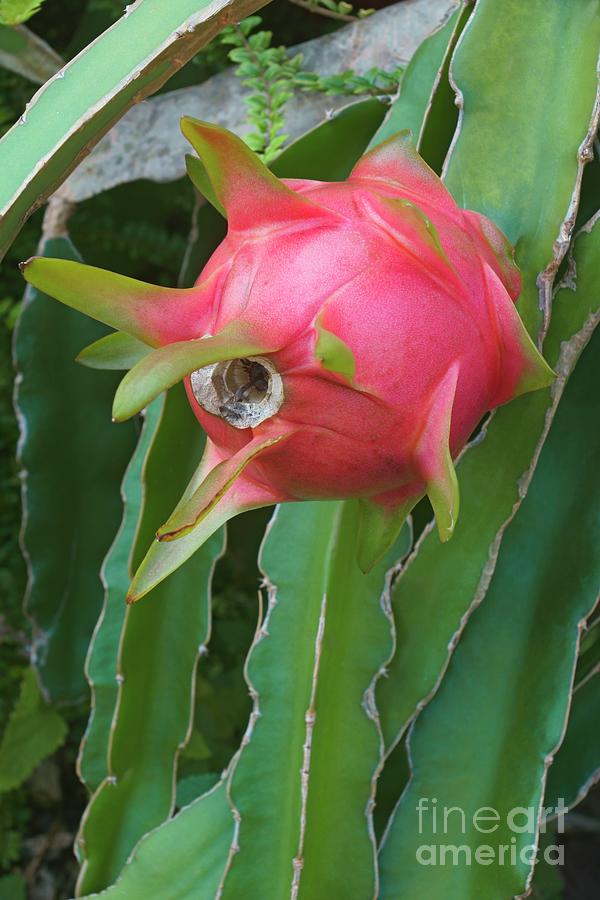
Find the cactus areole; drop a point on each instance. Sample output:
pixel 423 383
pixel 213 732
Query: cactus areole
pixel 343 341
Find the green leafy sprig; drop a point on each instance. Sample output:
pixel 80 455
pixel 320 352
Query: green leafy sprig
pixel 270 73
pixel 273 76
pixel 375 82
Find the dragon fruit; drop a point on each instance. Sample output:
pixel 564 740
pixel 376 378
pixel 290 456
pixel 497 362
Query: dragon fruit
pixel 343 341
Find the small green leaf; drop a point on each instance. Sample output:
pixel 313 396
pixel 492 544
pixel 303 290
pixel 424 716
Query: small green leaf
pixel 334 353
pixel 247 24
pixel 15 12
pixel 34 731
pixel 115 351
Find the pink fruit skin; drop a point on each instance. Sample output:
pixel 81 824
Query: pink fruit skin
pixel 387 311
pixel 410 307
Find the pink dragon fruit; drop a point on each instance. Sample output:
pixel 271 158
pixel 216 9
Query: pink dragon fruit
pixel 343 341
